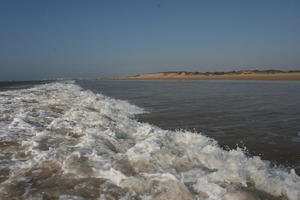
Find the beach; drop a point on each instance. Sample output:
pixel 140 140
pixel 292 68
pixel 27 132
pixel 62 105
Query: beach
pixel 150 100
pixel 247 75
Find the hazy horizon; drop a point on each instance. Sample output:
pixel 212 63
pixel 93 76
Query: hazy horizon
pixel 61 39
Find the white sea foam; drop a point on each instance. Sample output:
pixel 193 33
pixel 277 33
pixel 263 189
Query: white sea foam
pixel 62 142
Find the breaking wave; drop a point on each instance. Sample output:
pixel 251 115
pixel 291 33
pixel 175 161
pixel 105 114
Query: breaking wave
pixel 58 141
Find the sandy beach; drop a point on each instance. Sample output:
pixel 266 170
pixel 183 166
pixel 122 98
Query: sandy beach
pixel 241 75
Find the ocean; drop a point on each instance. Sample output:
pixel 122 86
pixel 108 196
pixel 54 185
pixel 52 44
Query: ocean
pixel 206 140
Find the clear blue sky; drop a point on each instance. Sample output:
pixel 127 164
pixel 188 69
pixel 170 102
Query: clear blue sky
pixel 72 38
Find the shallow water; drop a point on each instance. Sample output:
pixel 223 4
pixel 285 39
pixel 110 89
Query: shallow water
pixel 59 141
pixel 261 116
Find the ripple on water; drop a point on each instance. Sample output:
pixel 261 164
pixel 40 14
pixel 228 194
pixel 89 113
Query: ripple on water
pixel 60 142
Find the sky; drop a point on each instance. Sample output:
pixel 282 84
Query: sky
pixel 42 39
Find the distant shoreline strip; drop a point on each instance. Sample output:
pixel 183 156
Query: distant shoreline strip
pixel 190 76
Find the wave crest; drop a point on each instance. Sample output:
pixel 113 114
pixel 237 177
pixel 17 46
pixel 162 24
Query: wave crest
pixel 59 141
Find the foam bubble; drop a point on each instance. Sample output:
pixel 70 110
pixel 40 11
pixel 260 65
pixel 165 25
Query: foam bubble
pixel 92 147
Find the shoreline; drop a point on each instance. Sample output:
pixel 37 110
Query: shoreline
pixel 292 76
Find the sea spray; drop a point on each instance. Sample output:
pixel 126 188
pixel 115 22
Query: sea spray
pixel 62 142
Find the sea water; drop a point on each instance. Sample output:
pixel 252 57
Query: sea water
pixel 261 117
pixel 60 141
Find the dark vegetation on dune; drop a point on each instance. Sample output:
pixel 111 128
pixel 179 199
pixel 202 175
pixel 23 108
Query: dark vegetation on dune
pixel 270 71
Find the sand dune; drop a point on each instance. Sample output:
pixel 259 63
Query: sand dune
pixel 235 75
